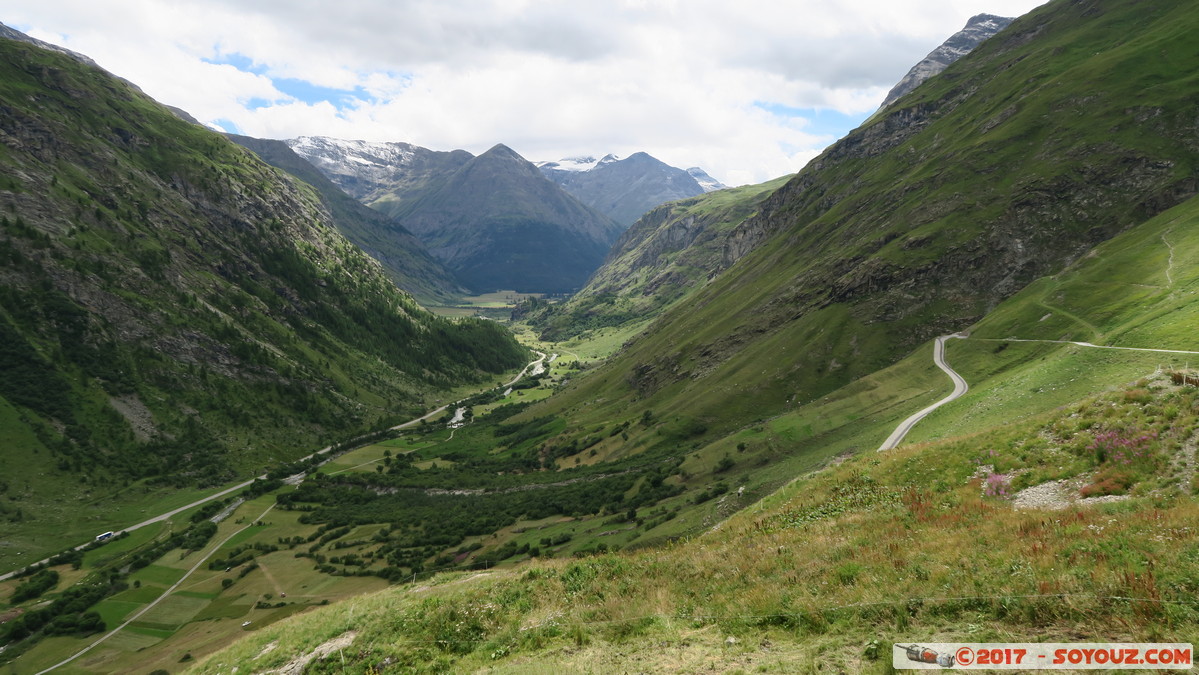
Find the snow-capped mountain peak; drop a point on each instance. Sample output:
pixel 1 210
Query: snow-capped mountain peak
pixel 367 169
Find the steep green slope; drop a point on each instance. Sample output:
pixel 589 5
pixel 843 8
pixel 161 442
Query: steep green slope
pixel 174 310
pixel 401 254
pixel 1138 291
pixel 1071 125
pixel 670 252
pixel 942 541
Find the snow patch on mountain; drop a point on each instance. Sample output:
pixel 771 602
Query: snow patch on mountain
pixel 322 150
pixel 577 164
pixel 708 183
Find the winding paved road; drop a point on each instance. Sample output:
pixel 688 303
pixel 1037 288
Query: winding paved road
pixel 959 387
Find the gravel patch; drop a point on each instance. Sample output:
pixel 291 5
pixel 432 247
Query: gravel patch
pixel 1057 495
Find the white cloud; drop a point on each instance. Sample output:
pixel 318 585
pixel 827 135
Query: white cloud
pixel 550 78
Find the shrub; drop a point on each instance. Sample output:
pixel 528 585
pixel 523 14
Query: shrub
pixel 1108 482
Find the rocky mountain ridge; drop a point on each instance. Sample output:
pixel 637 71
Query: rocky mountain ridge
pixel 978 28
pixel 373 171
pixel 625 189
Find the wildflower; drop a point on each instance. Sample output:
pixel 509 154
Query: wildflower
pixel 997 485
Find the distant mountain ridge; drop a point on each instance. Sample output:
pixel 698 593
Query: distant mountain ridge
pixel 494 220
pixel 626 189
pixel 376 171
pixel 498 223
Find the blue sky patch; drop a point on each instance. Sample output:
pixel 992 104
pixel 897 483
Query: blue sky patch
pixel 301 90
pixel 227 125
pixel 821 121
pixel 310 93
pixel 239 61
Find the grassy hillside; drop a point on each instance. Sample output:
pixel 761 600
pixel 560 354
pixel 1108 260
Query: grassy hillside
pixel 924 543
pixel 175 313
pixel 670 252
pixel 1067 128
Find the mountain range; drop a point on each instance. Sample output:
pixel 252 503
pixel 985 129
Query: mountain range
pixel 498 223
pixel 625 189
pixel 493 220
pixel 495 223
pixel 691 477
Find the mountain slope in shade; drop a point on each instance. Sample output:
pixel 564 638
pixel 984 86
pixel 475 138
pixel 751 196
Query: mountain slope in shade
pixel 498 223
pixel 625 189
pixel 978 28
pixel 401 254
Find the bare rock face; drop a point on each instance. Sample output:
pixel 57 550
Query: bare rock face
pixel 977 29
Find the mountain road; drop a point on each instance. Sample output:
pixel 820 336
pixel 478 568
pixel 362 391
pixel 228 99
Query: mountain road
pixel 959 388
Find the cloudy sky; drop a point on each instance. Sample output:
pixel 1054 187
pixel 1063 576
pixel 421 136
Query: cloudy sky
pixel 747 90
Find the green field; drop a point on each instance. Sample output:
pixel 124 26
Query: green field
pixel 497 306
